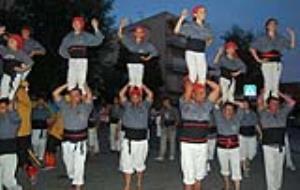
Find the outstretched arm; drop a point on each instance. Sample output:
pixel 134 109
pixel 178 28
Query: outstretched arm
pixel 182 17
pixel 122 25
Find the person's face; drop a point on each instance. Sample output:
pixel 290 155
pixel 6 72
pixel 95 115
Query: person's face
pixel 2 29
pixel 200 14
pixel 228 111
pixel 166 103
pixel 273 106
pixel 199 95
pixel 135 99
pixel 77 26
pixel 3 108
pixel 12 44
pixel 40 102
pixel 230 51
pixel 25 34
pixel 272 26
pixel 75 97
pixel 247 105
pixel 139 33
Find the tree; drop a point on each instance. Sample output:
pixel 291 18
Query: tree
pixel 51 21
pixel 243 39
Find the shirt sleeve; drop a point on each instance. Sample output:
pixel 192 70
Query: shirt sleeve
pixel 61 104
pixel 152 50
pixel 239 114
pixel 63 48
pixel 242 66
pixel 88 107
pixel 285 110
pixel 38 47
pixel 185 29
pixel 94 39
pixel 26 59
pixel 14 117
pixel 127 41
pixel 284 42
pixel 147 104
pixel 257 43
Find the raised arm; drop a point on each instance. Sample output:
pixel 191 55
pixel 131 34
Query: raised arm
pixel 215 91
pixel 253 52
pixel 122 25
pixel 57 93
pixel 261 102
pixel 290 101
pixel 97 39
pixel 89 95
pixel 63 48
pixel 149 93
pixel 122 94
pixel 219 55
pixel 188 90
pixel 292 37
pixel 181 19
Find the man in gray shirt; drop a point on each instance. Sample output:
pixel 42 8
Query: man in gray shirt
pixel 9 125
pixel 135 126
pixel 75 114
pixel 74 48
pixel 273 118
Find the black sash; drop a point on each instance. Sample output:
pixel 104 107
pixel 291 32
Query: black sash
pixel 114 120
pixel 194 131
pixel 78 51
pixel 9 65
pixel 136 57
pixel 226 73
pixel 273 136
pixel 135 134
pixel 75 136
pixel 39 124
pixel 228 142
pixel 8 146
pixel 247 131
pixel 196 45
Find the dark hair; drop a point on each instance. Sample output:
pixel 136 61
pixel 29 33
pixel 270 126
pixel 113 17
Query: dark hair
pixel 272 98
pixel 269 21
pixel 75 89
pixel 225 104
pixel 4 101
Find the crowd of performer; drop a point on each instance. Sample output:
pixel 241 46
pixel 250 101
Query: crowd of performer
pixel 207 119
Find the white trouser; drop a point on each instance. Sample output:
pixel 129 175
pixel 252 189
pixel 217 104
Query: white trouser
pixel 39 140
pixel 193 162
pixel 77 73
pixel 211 148
pixel 8 167
pixel 115 143
pixel 248 147
pixel 274 160
pixel 228 89
pixel 133 156
pixel 197 66
pixel 271 73
pixel 8 90
pixel 93 141
pixel 230 162
pixel 74 156
pixel 135 74
pixel 288 153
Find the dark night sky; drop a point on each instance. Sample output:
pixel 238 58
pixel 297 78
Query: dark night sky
pixel 249 14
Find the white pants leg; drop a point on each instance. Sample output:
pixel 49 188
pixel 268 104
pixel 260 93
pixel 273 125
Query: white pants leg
pixel 8 167
pixel 93 141
pixel 248 147
pixel 288 157
pixel 136 74
pixel 197 66
pixel 225 89
pixel 114 143
pixel 5 86
pixel 133 161
pixel 74 156
pixel 15 86
pixel 211 148
pixel 230 163
pixel 193 162
pixel 25 74
pixel 39 140
pixel 271 73
pixel 77 74
pixel 274 160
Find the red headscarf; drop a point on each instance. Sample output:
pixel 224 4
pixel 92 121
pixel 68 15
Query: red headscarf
pixel 79 19
pixel 197 87
pixel 231 44
pixel 18 39
pixel 196 8
pixel 135 91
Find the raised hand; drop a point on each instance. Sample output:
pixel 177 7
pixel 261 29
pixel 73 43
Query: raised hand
pixel 95 23
pixel 184 14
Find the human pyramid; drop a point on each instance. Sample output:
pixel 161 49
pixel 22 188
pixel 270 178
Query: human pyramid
pixel 208 115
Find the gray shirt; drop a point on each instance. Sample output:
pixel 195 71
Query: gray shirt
pixel 228 127
pixel 82 39
pixel 31 45
pixel 193 111
pixel 136 117
pixel 265 43
pixel 20 55
pixel 41 113
pixel 231 64
pixel 249 118
pixel 170 114
pixel 9 125
pixel 75 118
pixel 144 47
pixel 277 120
pixel 195 31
